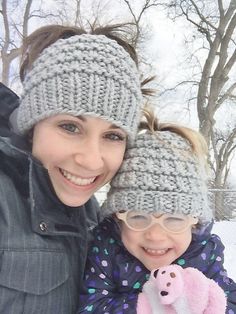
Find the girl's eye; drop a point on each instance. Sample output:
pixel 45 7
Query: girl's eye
pixel 175 223
pixel 138 217
pixel 115 136
pixel 174 220
pixel 70 127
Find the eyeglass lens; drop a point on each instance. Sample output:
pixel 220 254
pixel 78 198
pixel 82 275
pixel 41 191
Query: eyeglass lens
pixel 140 221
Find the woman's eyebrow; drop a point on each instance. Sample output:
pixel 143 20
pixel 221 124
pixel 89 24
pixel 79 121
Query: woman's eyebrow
pixel 112 126
pixel 82 118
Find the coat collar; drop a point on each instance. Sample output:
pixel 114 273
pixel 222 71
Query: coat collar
pixel 9 102
pixel 48 215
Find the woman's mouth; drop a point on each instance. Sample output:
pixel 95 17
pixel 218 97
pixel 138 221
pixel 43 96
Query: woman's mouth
pixel 75 179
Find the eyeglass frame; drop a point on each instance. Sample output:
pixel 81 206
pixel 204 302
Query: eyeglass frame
pixel 122 215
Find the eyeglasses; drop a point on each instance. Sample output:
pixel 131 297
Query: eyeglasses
pixel 140 221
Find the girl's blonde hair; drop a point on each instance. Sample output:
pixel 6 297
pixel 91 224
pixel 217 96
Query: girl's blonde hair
pixel 195 139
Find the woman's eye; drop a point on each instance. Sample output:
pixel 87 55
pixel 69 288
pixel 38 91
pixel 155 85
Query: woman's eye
pixel 115 137
pixel 69 127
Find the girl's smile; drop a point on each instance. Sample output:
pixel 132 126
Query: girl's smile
pixel 155 252
pixel 155 247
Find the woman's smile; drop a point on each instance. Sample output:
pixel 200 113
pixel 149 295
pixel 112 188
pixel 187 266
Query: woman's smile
pixel 77 180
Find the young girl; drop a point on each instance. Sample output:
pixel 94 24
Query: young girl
pixel 81 101
pixel 158 215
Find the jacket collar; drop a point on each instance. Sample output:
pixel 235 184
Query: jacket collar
pixel 9 101
pixel 48 215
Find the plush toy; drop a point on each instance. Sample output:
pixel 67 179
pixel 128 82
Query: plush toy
pixel 175 290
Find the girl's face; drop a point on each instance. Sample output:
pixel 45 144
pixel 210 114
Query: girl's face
pixel 81 154
pixel 155 247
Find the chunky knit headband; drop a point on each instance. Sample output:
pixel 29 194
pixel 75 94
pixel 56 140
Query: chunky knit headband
pixel 160 173
pixel 83 74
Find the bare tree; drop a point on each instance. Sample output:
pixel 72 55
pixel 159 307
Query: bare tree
pixel 9 48
pixel 138 15
pixel 224 146
pixel 15 29
pixel 214 25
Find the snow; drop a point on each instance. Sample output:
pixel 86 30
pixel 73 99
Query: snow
pixel 226 230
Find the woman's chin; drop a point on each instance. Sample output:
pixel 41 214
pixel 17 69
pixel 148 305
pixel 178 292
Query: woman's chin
pixel 74 201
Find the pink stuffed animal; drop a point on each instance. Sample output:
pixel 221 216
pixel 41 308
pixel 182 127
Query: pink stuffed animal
pixel 174 290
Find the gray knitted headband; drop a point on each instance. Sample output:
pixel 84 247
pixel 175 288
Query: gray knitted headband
pixel 83 74
pixel 159 174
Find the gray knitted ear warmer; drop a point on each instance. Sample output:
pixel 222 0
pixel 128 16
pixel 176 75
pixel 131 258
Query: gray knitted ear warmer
pixel 83 74
pixel 159 174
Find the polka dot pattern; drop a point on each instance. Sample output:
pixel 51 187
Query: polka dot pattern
pixel 114 278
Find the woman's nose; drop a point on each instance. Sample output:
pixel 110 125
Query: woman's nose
pixel 90 156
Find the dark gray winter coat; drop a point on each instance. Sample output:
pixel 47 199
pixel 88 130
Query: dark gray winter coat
pixel 43 243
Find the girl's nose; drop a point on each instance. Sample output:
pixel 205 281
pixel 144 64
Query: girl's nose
pixel 155 232
pixel 90 156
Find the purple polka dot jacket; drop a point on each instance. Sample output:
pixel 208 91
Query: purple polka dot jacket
pixel 113 277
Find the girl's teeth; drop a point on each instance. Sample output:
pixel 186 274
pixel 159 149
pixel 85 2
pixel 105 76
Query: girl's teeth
pixel 155 252
pixel 77 180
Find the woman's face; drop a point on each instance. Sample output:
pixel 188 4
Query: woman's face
pixel 81 154
pixel 155 247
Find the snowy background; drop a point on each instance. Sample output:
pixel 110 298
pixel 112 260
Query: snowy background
pixel 226 230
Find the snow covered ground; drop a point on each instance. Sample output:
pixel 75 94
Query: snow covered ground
pixel 226 230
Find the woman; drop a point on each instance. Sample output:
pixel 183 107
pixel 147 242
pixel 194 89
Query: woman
pixel 81 102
